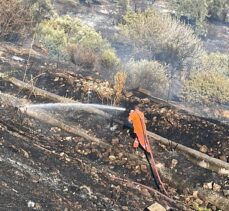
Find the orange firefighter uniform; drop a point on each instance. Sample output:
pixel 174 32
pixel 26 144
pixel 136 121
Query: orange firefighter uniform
pixel 138 120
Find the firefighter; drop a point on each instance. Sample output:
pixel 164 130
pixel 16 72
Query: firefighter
pixel 136 117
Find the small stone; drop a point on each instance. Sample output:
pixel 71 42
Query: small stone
pixel 143 168
pixel 223 158
pixel 31 204
pixel 145 192
pixel 162 110
pixel 226 193
pixel 128 94
pixel 56 79
pixel 93 170
pixel 112 157
pixel 208 185
pixel 146 100
pixel 216 187
pixel 38 206
pixel 98 126
pixel 173 163
pixel 115 141
pixel 199 201
pixel 68 159
pixel 69 138
pixel 62 154
pixel 125 208
pixel 156 207
pixel 203 149
pixel 195 194
pixel 120 154
pixel 26 154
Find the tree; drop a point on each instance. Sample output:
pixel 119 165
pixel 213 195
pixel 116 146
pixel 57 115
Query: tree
pixel 202 10
pixel 193 9
pixel 166 39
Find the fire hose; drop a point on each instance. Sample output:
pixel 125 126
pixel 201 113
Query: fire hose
pixel 152 161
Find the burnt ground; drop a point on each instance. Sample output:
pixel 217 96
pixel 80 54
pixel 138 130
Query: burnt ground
pixel 59 171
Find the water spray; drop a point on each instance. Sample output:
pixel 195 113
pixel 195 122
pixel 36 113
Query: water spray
pixel 70 106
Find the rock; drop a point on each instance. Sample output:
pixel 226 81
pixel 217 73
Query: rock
pixel 93 170
pixel 98 126
pixel 112 157
pixel 208 185
pixel 173 163
pixel 226 193
pixel 56 79
pixel 128 94
pixel 114 127
pixel 115 141
pixel 199 201
pixel 89 78
pixel 216 187
pixel 203 149
pixel 65 189
pixel 18 59
pixel 26 154
pixel 195 194
pixel 223 158
pixel 156 207
pixel 69 138
pixel 144 168
pixel 145 192
pixel 125 208
pixel 146 100
pixel 120 154
pixel 31 204
pixel 162 110
pixel 62 154
pixel 68 159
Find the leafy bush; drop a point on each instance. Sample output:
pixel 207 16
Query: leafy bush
pixel 168 40
pixel 83 57
pixel 109 60
pixel 150 75
pixel 65 31
pixel 206 88
pixel 215 61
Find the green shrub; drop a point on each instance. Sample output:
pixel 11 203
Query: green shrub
pixel 109 60
pixel 83 57
pixel 63 31
pixel 215 61
pixel 166 39
pixel 150 75
pixel 206 88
